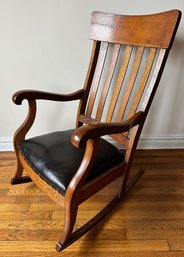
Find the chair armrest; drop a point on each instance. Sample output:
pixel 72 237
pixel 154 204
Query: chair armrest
pixel 94 131
pixel 19 96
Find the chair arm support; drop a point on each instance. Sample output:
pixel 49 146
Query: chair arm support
pixel 96 130
pixel 19 96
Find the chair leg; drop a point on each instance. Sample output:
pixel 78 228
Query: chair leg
pixel 71 213
pixel 70 219
pixel 127 185
pixel 87 226
pixel 134 180
pixel 18 179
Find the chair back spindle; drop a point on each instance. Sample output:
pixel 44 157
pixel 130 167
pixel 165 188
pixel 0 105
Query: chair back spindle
pixel 131 53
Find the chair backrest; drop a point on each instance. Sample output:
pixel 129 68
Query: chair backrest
pixel 128 57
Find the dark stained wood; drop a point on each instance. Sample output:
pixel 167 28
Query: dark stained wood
pixel 89 189
pixel 134 180
pixel 23 179
pixel 118 137
pixel 125 72
pixel 20 135
pixel 96 130
pixel 73 194
pixel 90 224
pixel 88 80
pixel 29 95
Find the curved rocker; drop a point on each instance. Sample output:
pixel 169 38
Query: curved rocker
pixel 114 102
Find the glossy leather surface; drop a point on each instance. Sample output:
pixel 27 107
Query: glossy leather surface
pixel 56 160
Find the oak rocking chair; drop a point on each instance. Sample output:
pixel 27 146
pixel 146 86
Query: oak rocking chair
pixel 127 60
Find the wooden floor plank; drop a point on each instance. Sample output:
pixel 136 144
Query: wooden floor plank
pixel 93 254
pixel 177 245
pixel 159 233
pixel 20 234
pixel 24 215
pixel 6 207
pixel 149 223
pixel 31 224
pixel 88 246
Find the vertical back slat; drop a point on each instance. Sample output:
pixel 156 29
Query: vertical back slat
pixel 97 76
pixel 119 82
pixel 107 83
pixel 88 80
pixel 158 65
pixel 130 83
pixel 143 81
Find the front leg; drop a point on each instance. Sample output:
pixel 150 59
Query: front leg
pixel 18 178
pixel 18 137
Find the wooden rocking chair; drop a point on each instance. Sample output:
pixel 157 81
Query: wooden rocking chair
pixel 128 57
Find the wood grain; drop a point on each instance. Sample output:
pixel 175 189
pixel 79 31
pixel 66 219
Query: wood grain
pixel 149 223
pixel 97 76
pixel 130 83
pixel 108 80
pixel 142 31
pixel 119 82
pixel 143 81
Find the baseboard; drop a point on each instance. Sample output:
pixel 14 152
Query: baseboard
pixel 162 142
pixel 6 144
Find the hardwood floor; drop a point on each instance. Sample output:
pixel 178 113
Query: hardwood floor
pixel 148 223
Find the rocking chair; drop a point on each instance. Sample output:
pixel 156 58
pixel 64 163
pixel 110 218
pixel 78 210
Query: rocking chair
pixel 127 60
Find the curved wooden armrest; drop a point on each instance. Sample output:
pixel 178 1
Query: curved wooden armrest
pixel 96 130
pixel 19 96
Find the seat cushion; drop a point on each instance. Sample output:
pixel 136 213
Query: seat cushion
pixel 56 160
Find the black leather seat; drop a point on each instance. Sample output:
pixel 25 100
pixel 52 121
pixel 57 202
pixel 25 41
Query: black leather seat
pixel 56 160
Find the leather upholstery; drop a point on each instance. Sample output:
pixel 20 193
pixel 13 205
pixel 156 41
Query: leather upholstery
pixel 56 160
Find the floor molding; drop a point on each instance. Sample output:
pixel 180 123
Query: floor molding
pixel 162 142
pixel 6 144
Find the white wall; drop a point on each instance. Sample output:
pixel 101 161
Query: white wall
pixel 44 45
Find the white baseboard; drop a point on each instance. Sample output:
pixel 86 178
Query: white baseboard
pixel 6 144
pixel 164 142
